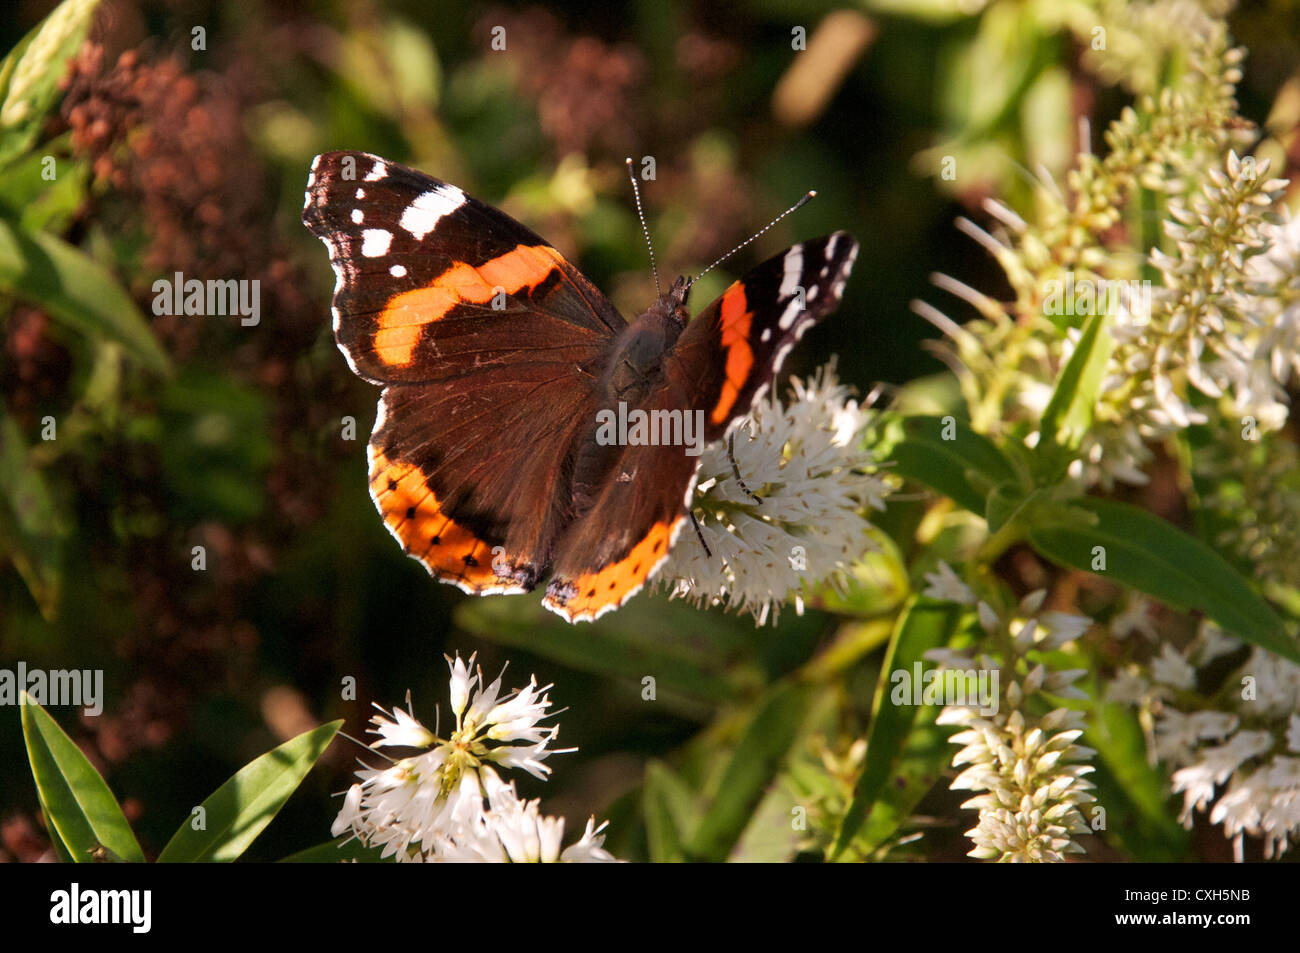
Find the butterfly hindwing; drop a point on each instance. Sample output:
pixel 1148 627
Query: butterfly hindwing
pixel 466 483
pixel 613 548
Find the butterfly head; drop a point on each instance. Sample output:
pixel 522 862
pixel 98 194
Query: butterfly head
pixel 670 307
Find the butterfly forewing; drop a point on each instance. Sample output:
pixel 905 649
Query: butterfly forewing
pixel 487 340
pixel 429 279
pixel 735 346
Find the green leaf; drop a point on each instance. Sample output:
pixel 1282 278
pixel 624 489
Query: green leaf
pixel 1134 794
pixel 965 467
pixel 670 813
pixel 1069 412
pixel 337 852
pixel 875 585
pixel 925 625
pixel 33 528
pixel 1002 504
pixel 81 809
pixel 683 648
pixel 238 810
pixel 41 204
pixel 30 74
pixel 919 766
pixel 60 848
pixel 76 290
pixel 758 757
pixel 1148 554
pixel 993 70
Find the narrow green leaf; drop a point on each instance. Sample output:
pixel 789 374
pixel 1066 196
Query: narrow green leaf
pixel 919 766
pixel 1143 551
pixel 925 625
pixel 1068 414
pixel 77 801
pixel 336 852
pixel 39 203
pixel 758 757
pixel 669 806
pixel 1134 794
pixel 237 811
pixel 33 528
pixel 76 290
pixel 951 458
pixel 30 73
pixel 1002 504
pixel 626 834
pixel 60 848
pixel 683 648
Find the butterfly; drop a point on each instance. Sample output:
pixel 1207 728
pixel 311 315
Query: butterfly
pixel 518 432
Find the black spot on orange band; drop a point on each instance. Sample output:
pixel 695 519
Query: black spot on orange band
pixel 591 595
pixel 450 551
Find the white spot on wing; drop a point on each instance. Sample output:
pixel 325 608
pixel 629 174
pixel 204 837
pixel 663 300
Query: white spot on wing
pixel 357 216
pixel 423 215
pixel 375 242
pixel 398 271
pixel 793 271
pixel 377 172
pixel 780 358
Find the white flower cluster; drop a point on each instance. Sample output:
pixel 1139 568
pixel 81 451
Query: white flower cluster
pixel 1029 768
pixel 1271 303
pixel 1224 323
pixel 1241 764
pixel 807 465
pixel 1207 326
pixel 1220 325
pixel 431 806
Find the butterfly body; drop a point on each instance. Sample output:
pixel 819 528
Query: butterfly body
pixel 501 365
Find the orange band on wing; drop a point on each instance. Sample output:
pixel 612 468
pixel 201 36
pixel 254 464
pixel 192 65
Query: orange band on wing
pixel 734 323
pixel 448 550
pixel 405 316
pixel 590 595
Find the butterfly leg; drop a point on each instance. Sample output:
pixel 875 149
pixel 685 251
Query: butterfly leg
pixel 735 469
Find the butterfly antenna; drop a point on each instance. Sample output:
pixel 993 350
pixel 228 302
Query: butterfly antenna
pixel 636 191
pixel 797 205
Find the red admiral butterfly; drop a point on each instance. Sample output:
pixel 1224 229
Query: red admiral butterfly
pixel 497 358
